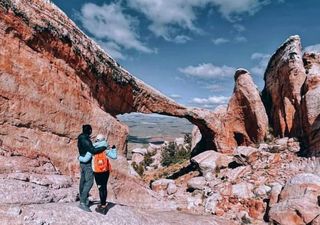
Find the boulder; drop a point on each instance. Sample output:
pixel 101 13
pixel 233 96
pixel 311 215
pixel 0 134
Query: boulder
pixel 194 201
pixel 275 193
pixel 316 221
pixel 211 202
pixel 161 184
pixel 209 161
pixel 238 173
pixel 304 185
pixel 284 77
pixel 243 155
pixel 262 191
pixel 196 183
pixel 298 202
pixel 282 141
pixel 256 209
pixel 293 146
pixel 141 151
pixel 172 188
pixel 243 190
pixel 137 158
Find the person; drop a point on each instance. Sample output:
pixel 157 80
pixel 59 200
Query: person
pixel 86 179
pixel 102 170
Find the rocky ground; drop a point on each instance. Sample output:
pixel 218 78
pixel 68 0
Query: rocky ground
pixel 267 183
pixel 33 191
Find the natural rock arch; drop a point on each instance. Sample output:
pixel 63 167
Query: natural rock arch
pixel 64 79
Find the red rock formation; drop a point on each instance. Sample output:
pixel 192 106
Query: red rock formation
pixel 298 202
pixel 243 122
pixel 284 78
pixel 246 117
pixel 311 104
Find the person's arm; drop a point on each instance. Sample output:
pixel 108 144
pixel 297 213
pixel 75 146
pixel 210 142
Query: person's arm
pixel 112 152
pixel 85 158
pixel 90 148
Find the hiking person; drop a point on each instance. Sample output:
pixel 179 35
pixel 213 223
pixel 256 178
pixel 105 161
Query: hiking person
pixel 86 179
pixel 101 168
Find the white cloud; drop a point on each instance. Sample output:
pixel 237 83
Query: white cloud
pixel 220 41
pixel 262 62
pixel 240 39
pixel 175 96
pixel 112 48
pixel 215 87
pixel 238 27
pixel 108 22
pixel 164 13
pixel 231 9
pixel 208 70
pixel 210 102
pixel 181 39
pixel 313 48
pixel 168 15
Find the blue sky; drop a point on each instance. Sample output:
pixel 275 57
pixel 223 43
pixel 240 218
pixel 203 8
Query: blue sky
pixel 189 49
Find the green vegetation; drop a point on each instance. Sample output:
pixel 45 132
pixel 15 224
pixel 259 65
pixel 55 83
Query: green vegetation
pixel 171 155
pixel 188 140
pixel 139 168
pixel 147 161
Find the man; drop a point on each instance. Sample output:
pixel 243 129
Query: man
pixel 86 180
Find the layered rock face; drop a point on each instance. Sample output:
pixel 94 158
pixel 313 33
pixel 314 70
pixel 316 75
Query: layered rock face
pixel 311 104
pixel 284 78
pixel 43 101
pixel 291 94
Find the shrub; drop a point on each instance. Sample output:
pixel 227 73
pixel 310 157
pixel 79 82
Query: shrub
pixel 148 160
pixel 170 155
pixel 188 140
pixel 139 168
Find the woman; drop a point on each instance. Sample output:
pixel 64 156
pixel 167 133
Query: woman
pixel 101 168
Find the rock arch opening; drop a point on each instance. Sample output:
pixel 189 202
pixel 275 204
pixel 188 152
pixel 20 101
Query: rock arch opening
pixel 155 130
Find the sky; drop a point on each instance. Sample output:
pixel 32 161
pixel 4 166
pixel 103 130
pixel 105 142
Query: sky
pixel 190 49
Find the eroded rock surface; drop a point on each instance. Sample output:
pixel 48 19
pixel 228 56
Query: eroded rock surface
pixel 284 77
pixel 311 103
pixel 298 202
pixel 243 122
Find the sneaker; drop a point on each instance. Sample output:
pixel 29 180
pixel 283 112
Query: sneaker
pixel 84 207
pixel 101 210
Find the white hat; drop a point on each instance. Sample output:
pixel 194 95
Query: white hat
pixel 100 137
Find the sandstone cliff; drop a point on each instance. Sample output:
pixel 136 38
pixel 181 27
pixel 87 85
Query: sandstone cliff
pixel 291 94
pixel 311 104
pixel 284 77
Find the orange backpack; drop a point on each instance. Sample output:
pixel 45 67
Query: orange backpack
pixel 100 163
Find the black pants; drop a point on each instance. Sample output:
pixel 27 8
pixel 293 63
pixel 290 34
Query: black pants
pixel 102 180
pixel 86 182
